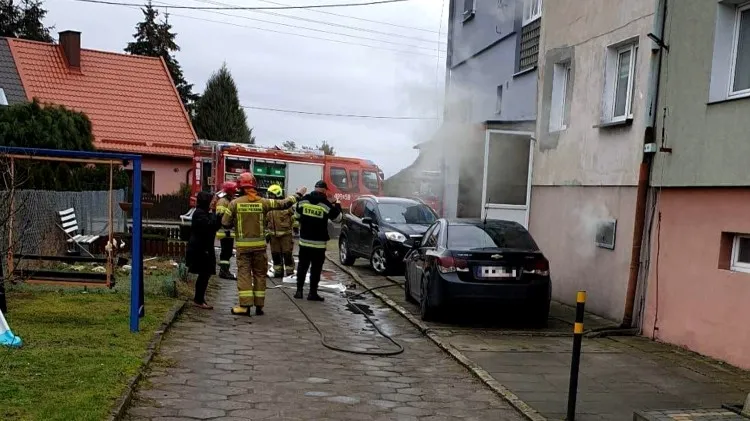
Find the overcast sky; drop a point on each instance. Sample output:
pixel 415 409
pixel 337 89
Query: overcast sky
pixel 293 72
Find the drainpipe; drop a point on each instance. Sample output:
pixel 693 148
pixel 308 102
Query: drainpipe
pixel 644 171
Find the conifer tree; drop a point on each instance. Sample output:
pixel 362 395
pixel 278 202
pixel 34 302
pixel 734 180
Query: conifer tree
pixel 219 115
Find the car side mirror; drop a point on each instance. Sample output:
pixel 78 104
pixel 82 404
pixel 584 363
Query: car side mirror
pixel 367 220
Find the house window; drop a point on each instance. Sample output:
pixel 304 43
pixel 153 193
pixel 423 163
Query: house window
pixel 532 10
pixel 3 99
pixel 469 9
pixel 148 180
pixel 558 113
pixel 741 254
pixel 499 100
pixel 740 73
pixel 620 83
pixel 528 53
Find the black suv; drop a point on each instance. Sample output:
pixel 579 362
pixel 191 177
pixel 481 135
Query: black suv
pixel 382 230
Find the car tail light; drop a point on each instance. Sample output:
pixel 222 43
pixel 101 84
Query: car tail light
pixel 540 266
pixel 449 264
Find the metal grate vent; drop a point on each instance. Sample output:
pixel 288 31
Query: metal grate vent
pixel 606 233
pixel 529 53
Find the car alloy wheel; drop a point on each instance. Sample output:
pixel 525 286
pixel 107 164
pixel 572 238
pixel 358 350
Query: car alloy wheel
pixel 345 255
pixel 378 260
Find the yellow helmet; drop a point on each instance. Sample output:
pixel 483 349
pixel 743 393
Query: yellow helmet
pixel 276 190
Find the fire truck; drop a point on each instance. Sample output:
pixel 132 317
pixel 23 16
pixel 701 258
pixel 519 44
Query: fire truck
pixel 217 162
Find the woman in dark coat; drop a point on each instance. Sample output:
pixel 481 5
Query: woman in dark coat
pixel 200 256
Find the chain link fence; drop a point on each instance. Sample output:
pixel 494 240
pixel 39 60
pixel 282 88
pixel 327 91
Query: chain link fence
pixel 36 224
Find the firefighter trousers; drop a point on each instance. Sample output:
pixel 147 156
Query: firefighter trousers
pixel 310 258
pixel 227 245
pixel 281 253
pixel 252 270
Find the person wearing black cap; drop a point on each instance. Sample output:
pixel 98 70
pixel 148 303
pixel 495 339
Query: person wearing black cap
pixel 314 211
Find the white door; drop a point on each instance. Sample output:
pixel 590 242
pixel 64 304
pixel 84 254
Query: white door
pixel 506 187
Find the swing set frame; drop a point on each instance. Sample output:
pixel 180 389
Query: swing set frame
pixel 102 158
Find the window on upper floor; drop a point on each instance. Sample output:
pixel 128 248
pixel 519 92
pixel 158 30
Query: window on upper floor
pixel 560 101
pixel 499 100
pixel 730 67
pixel 469 10
pixel 532 10
pixel 621 60
pixel 530 35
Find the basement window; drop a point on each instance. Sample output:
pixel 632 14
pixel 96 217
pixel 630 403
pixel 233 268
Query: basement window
pixel 741 254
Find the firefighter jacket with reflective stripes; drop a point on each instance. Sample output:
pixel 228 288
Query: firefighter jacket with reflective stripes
pixel 222 207
pixel 314 211
pixel 279 222
pixel 247 216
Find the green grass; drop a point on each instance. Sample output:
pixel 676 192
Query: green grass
pixel 78 351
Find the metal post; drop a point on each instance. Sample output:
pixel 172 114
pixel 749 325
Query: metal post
pixel 136 274
pixel 3 302
pixel 576 361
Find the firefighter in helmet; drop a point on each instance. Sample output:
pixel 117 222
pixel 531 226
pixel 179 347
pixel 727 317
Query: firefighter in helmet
pixel 279 225
pixel 225 236
pixel 245 215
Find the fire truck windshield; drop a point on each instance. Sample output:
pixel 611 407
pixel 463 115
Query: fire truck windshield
pixel 371 181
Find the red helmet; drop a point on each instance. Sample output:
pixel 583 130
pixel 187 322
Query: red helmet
pixel 230 188
pixel 246 181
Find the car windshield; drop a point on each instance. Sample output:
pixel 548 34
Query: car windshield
pixel 493 234
pixel 406 213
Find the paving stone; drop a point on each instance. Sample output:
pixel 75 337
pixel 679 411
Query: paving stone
pixel 274 367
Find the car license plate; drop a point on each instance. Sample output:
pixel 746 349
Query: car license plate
pixel 496 272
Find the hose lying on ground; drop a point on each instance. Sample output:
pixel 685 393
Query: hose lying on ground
pixel 350 351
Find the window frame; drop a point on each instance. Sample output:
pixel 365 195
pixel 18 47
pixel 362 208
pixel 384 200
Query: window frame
pixel 558 120
pixel 731 93
pixel 467 14
pixel 633 50
pixel 354 181
pixel 528 11
pixel 735 265
pixel 333 180
pixel 146 175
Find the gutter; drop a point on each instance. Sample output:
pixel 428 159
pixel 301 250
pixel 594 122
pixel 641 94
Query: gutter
pixel 644 172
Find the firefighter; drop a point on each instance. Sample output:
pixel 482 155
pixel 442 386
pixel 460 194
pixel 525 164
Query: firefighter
pixel 226 237
pixel 279 225
pixel 314 211
pixel 246 215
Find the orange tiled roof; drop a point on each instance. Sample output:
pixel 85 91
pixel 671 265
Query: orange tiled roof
pixel 131 100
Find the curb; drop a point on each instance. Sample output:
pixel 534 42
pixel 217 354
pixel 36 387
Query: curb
pixel 122 404
pixel 522 407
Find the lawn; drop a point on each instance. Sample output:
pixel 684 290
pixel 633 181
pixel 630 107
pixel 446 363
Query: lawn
pixel 78 351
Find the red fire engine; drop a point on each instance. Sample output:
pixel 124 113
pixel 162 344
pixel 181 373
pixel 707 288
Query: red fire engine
pixel 217 162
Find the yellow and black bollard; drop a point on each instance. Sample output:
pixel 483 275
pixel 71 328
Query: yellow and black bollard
pixel 576 361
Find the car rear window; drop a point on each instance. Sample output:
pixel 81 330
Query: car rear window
pixel 406 213
pixel 490 235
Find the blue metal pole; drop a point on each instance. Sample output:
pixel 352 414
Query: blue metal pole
pixel 136 273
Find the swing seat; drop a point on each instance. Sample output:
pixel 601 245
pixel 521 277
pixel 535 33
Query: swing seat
pixel 55 277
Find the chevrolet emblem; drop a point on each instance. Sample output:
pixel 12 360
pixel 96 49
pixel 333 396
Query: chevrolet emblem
pixel 497 256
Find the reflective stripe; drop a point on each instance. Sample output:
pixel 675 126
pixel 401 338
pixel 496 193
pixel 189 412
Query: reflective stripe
pixel 260 294
pixel 224 262
pixel 279 233
pixel 250 243
pixel 222 210
pixel 246 294
pixel 312 243
pixel 222 234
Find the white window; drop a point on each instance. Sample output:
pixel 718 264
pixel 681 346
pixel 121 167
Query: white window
pixel 469 9
pixel 3 99
pixel 740 71
pixel 558 117
pixel 499 100
pixel 532 10
pixel 741 254
pixel 620 83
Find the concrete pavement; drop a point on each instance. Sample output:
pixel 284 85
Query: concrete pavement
pixel 216 366
pixel 619 375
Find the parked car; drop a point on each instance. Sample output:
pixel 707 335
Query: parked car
pixel 382 230
pixel 478 262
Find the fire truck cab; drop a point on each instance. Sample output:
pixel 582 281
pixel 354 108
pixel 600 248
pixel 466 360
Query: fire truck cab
pixel 217 162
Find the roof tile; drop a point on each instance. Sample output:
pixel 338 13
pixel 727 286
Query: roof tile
pixel 131 100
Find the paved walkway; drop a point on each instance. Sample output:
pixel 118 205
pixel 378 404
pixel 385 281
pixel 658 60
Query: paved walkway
pixel 217 366
pixel 619 375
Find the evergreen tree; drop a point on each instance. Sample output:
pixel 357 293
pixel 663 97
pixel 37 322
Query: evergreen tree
pixel 24 20
pixel 156 39
pixel 219 115
pixel 326 148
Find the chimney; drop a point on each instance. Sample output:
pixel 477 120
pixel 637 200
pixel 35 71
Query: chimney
pixel 70 41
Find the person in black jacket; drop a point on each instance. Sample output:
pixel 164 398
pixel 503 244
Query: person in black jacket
pixel 200 256
pixel 314 211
